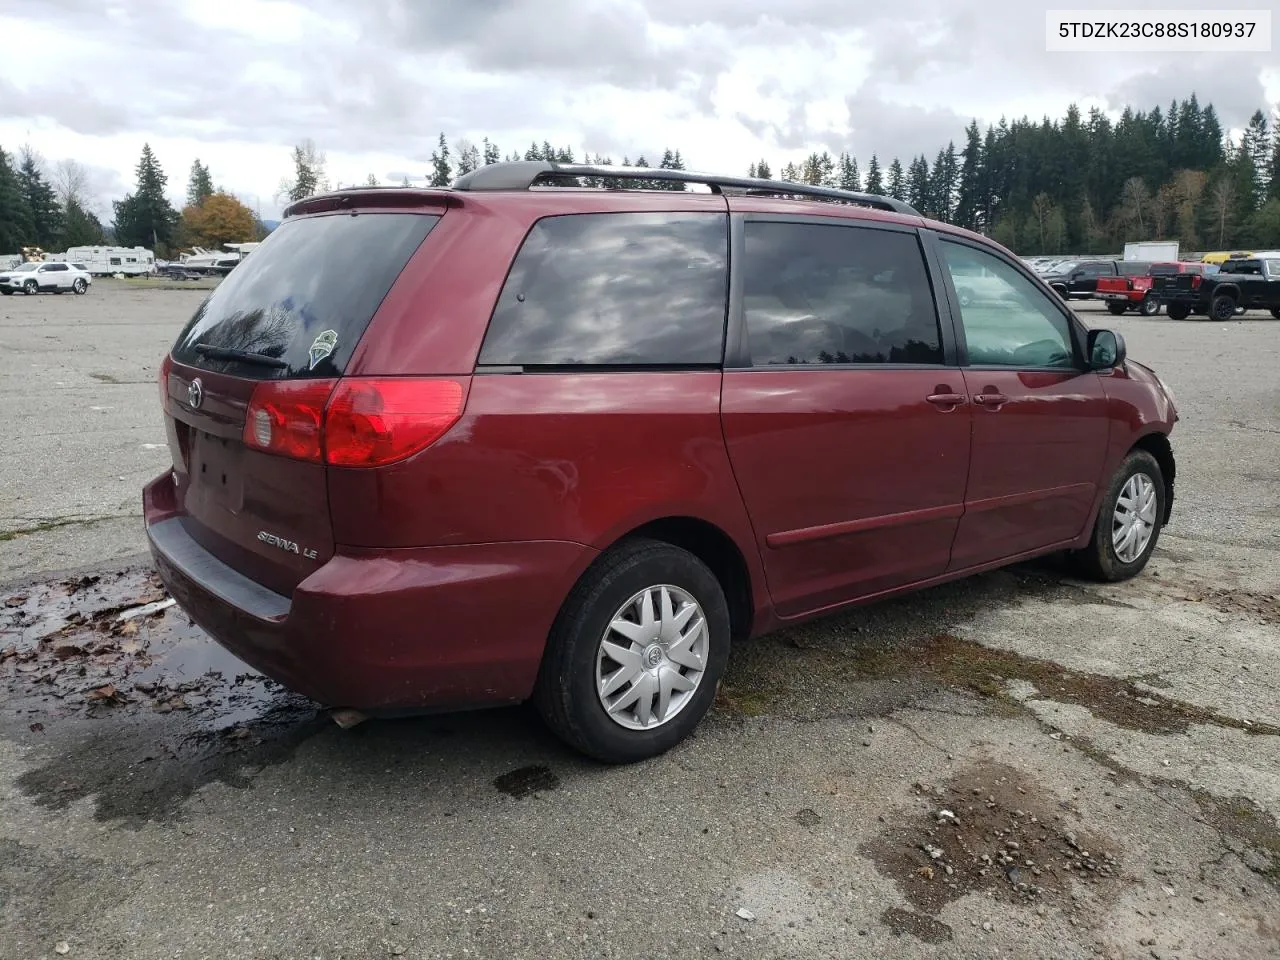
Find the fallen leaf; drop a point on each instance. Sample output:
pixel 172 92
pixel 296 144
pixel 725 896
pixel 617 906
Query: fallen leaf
pixel 14 601
pixel 926 872
pixel 106 694
pixel 128 629
pixel 66 651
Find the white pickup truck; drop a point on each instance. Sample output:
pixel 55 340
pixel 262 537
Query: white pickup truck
pixel 50 276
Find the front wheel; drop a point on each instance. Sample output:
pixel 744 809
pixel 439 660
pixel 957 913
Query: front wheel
pixel 1149 307
pixel 634 657
pixel 30 288
pixel 1275 312
pixel 1129 521
pixel 1178 311
pixel 1117 308
pixel 80 287
pixel 1222 307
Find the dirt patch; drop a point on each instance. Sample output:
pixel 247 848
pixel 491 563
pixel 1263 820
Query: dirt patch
pixel 1260 606
pixel 990 829
pixel 525 781
pixel 916 924
pixel 1246 830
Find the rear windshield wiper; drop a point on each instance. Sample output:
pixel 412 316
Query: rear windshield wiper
pixel 225 353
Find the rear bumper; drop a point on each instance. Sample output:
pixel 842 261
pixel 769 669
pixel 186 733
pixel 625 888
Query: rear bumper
pixel 399 629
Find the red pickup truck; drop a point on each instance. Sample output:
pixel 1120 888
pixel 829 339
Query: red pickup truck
pixel 1134 292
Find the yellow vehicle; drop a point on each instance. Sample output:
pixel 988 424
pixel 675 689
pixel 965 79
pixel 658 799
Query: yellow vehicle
pixel 1222 257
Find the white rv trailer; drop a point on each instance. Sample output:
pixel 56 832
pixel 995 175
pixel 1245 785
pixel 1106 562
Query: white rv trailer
pixel 104 261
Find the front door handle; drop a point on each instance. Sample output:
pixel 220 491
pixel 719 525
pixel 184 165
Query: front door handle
pixel 946 399
pixel 993 400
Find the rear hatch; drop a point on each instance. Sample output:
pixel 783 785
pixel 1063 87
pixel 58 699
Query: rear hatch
pixel 271 341
pixel 1114 285
pixel 1172 284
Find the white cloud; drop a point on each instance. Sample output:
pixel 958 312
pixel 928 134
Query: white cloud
pixel 238 82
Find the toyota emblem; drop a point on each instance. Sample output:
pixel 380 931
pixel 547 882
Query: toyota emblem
pixel 195 394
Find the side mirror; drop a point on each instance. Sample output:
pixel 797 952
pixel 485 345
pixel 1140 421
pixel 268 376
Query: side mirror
pixel 1106 350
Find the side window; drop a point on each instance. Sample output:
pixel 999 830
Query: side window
pixel 821 294
pixel 57 267
pixel 1012 323
pixel 615 289
pixel 115 261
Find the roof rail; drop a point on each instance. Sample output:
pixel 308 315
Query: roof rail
pixel 523 174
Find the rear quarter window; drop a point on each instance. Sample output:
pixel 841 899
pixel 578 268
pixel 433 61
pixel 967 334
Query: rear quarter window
pixel 614 289
pixel 306 295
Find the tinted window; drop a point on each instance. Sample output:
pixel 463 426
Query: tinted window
pixel 115 261
pixel 837 294
pixel 315 282
pixel 56 267
pixel 1244 267
pixel 1166 270
pixel 1014 323
pixel 1132 268
pixel 616 289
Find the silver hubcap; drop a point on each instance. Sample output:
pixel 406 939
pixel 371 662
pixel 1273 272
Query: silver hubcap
pixel 652 657
pixel 1134 520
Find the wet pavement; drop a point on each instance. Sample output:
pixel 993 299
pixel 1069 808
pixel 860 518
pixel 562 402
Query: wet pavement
pixel 1018 765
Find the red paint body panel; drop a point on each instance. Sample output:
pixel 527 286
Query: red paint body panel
pixel 1036 465
pixel 859 453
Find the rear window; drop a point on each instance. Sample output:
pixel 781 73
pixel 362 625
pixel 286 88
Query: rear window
pixel 1166 269
pixel 614 289
pixel 305 296
pixel 1133 268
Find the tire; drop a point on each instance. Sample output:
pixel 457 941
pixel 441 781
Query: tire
pixel 1178 311
pixel 80 287
pixel 6 292
pixel 1117 308
pixel 575 665
pixel 1222 307
pixel 1149 307
pixel 1062 292
pixel 1275 312
pixel 1100 560
pixel 30 288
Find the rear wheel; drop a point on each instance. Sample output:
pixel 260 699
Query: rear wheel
pixel 1222 307
pixel 1117 308
pixel 634 657
pixel 1149 307
pixel 80 286
pixel 1129 521
pixel 1178 311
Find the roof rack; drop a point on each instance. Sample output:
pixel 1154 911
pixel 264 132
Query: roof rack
pixel 523 174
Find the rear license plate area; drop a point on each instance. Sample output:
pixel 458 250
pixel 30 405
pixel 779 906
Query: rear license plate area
pixel 217 474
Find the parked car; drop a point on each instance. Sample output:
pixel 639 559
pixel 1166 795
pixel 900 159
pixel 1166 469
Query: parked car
pixel 1078 279
pixel 494 443
pixel 1239 285
pixel 45 277
pixel 1134 291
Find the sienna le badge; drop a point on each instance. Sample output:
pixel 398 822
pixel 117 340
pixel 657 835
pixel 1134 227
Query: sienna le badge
pixel 322 346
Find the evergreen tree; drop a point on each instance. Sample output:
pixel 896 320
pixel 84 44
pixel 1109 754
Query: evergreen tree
pixel 1255 158
pixel 763 171
pixel 968 190
pixel 490 153
pixel 199 184
pixel 80 227
pixel 944 184
pixel 441 170
pixel 308 173
pixel 1273 173
pixel 17 227
pixel 847 173
pixel 897 184
pixel 41 202
pixel 875 180
pixel 145 217
pixel 918 185
pixel 371 180
pixel 468 157
pixel 671 160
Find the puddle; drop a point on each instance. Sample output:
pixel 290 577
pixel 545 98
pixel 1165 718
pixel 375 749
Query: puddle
pixel 137 706
pixel 525 781
pixel 991 830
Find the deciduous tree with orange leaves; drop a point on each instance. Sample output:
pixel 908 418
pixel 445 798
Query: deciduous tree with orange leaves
pixel 220 218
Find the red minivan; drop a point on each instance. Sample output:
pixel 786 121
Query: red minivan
pixel 522 438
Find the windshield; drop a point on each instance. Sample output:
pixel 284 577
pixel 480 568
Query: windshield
pixel 1065 266
pixel 26 268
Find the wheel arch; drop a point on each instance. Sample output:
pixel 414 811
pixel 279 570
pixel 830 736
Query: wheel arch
pixel 1157 444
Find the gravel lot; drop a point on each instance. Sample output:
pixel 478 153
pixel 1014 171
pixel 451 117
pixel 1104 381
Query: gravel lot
pixel 1108 758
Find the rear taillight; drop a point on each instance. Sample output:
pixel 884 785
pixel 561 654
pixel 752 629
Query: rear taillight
pixel 166 365
pixel 352 422
pixel 284 418
pixel 372 422
pixel 1195 281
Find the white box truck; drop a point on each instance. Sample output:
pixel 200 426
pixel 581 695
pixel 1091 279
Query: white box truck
pixel 1152 251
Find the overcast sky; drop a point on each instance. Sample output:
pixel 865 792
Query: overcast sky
pixel 373 82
